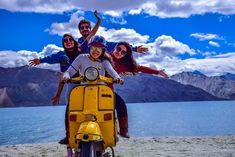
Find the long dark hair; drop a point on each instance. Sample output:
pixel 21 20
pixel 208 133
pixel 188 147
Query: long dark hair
pixel 128 60
pixel 73 52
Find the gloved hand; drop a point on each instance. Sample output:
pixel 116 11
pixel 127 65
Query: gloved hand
pixel 65 77
pixel 119 81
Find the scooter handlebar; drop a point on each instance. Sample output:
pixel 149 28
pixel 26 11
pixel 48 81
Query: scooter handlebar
pixel 100 79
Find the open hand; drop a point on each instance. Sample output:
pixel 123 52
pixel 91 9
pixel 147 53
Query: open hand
pixel 34 62
pixel 163 74
pixel 142 49
pixel 97 15
pixel 55 100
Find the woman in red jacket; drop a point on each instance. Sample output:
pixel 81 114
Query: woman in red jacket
pixel 124 63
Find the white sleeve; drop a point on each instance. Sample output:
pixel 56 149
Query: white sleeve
pixel 74 67
pixel 109 68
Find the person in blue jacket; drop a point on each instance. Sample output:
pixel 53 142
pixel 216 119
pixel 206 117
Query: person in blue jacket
pixel 84 27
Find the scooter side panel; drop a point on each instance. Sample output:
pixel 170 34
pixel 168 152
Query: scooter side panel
pixel 106 98
pixel 76 99
pixel 76 104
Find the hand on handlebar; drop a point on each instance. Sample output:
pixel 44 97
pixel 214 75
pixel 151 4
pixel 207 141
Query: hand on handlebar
pixel 119 81
pixel 64 77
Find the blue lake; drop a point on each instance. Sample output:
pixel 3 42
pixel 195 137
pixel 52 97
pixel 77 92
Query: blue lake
pixel 46 124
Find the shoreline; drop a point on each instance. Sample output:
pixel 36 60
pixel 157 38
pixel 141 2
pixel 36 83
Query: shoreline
pixel 208 146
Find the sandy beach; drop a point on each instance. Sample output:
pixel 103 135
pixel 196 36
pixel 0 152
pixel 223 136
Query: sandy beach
pixel 213 146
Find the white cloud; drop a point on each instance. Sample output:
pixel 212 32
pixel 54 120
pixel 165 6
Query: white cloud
pixel 120 21
pixel 163 9
pixel 40 6
pixel 114 13
pixel 206 36
pixel 135 11
pixel 167 46
pixel 13 59
pixel 123 34
pixel 21 58
pixel 215 44
pixel 163 55
pixel 70 27
pixel 210 66
pixel 185 8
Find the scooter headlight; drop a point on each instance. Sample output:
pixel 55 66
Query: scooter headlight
pixel 91 74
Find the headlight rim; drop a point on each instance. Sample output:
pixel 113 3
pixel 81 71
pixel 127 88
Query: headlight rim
pixel 86 73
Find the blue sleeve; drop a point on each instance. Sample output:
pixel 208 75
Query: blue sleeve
pixel 111 46
pixel 84 47
pixel 52 59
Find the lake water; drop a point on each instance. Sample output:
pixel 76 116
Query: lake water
pixel 46 124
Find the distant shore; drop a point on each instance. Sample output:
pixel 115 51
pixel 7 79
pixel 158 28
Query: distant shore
pixel 212 146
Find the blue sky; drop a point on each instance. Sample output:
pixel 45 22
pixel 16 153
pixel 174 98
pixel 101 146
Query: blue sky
pixel 181 35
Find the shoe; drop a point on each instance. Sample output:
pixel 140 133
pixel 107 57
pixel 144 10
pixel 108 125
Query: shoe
pixel 64 141
pixel 124 134
pixel 123 124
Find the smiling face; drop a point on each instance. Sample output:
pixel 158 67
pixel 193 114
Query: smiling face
pixel 95 52
pixel 120 51
pixel 85 29
pixel 68 42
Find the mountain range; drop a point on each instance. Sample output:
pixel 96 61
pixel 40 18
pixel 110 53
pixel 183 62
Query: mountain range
pixel 27 86
pixel 219 86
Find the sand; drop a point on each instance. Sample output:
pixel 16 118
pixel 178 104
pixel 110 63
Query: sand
pixel 213 146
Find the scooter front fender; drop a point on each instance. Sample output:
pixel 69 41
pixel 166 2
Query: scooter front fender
pixel 89 131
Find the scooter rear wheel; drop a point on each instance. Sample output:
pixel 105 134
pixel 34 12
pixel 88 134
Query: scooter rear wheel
pixel 87 149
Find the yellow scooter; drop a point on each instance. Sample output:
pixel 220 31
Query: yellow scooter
pixel 92 122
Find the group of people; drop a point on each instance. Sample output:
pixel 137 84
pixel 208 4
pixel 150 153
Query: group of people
pixel 109 57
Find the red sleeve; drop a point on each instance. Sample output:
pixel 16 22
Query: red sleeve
pixel 146 70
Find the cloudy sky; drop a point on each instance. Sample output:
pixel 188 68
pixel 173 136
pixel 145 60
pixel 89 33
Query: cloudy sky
pixel 182 35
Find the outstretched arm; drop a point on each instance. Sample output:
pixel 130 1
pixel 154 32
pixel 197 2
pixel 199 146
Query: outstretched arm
pixel 148 70
pixel 52 59
pixel 95 29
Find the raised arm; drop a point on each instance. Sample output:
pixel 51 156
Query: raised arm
pixel 95 29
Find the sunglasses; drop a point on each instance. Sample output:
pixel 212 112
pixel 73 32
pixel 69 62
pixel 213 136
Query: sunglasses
pixel 100 50
pixel 119 49
pixel 66 40
pixel 84 27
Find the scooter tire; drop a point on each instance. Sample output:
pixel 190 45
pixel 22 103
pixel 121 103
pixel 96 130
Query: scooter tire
pixel 87 149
